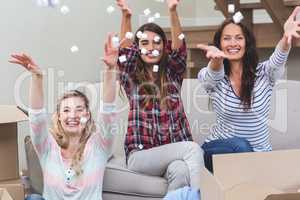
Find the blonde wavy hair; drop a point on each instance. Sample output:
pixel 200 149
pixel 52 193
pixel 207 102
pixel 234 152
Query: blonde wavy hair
pixel 62 138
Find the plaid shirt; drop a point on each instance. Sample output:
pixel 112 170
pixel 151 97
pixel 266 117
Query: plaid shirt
pixel 150 126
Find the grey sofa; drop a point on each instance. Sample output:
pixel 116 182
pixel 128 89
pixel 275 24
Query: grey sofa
pixel 123 184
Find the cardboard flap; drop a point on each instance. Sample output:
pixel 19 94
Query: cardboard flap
pixel 277 169
pixel 288 196
pixel 250 191
pixel 210 188
pixel 4 194
pixel 10 114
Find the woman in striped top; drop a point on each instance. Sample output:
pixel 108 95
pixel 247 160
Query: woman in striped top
pixel 240 88
pixel 73 157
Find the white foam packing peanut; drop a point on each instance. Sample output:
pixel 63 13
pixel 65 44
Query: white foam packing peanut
pixel 181 36
pixel 129 35
pixel 74 49
pixel 161 1
pixel 110 9
pixel 64 9
pixel 122 58
pixel 144 51
pixel 155 53
pixel 155 68
pixel 156 39
pixel 147 11
pixel 157 15
pixel 231 8
pixel 144 36
pixel 151 19
pixel 115 42
pixel 139 34
pixel 83 120
pixel 238 17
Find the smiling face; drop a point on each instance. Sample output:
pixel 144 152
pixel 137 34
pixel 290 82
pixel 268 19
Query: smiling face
pixel 71 111
pixel 233 42
pixel 153 44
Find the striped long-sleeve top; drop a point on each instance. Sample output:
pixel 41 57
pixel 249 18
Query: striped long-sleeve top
pixel 60 181
pixel 231 119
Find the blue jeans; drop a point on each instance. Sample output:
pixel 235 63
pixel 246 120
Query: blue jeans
pixel 34 197
pixel 223 146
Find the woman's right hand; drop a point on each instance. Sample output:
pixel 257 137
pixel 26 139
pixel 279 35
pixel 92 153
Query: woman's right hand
pixel 27 62
pixel 124 7
pixel 215 55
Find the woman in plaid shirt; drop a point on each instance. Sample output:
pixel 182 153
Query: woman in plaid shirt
pixel 158 140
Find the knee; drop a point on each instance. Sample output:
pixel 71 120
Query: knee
pixel 194 147
pixel 242 145
pixel 178 174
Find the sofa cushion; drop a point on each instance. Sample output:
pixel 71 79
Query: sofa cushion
pixel 34 167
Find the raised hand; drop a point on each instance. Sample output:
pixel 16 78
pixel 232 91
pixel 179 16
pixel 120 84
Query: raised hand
pixel 172 4
pixel 111 53
pixel 124 7
pixel 212 52
pixel 27 62
pixel 291 26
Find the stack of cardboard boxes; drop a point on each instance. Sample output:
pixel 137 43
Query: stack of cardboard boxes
pixel 11 186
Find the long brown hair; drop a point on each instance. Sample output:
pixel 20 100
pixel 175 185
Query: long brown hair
pixel 62 138
pixel 141 76
pixel 250 62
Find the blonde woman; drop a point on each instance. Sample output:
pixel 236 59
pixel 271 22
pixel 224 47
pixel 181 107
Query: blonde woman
pixel 74 151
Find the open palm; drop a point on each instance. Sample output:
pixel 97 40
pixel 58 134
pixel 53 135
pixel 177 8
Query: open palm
pixel 292 26
pixel 26 61
pixel 111 53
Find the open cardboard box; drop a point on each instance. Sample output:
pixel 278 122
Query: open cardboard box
pixel 15 189
pixel 4 194
pixel 9 117
pixel 253 176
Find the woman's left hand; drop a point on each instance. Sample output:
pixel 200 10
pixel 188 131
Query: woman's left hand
pixel 292 27
pixel 172 4
pixel 111 52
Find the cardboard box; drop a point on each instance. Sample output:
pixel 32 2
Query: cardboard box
pixel 4 194
pixel 15 189
pixel 9 117
pixel 255 176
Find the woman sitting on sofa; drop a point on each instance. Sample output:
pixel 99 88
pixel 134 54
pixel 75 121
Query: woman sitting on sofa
pixel 240 87
pixel 74 155
pixel 158 140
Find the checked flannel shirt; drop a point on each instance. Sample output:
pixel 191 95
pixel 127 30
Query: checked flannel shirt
pixel 153 126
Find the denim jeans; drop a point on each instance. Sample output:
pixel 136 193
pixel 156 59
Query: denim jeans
pixel 34 197
pixel 223 146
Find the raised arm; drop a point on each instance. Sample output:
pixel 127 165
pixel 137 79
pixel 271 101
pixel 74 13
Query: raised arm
pixel 110 71
pixel 176 29
pixel 210 75
pixel 107 110
pixel 37 115
pixel 274 67
pixel 126 21
pixel 36 95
